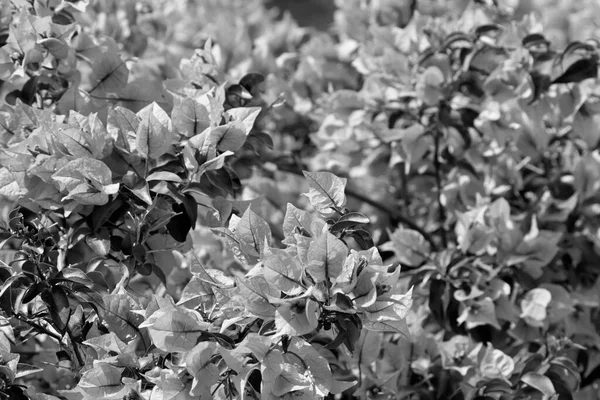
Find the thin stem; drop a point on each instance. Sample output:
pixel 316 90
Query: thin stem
pixel 75 349
pixel 394 214
pixel 38 327
pixel 438 180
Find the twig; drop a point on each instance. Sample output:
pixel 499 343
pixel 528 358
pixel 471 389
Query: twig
pixel 394 214
pixel 38 327
pixel 75 349
pixel 438 182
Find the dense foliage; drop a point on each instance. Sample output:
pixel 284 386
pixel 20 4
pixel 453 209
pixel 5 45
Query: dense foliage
pixel 203 200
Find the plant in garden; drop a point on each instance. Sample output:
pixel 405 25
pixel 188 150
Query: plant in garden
pixel 405 208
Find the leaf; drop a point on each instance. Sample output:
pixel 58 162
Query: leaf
pixel 364 291
pixel 159 274
pixel 92 131
pixel 102 381
pixel 410 246
pixel 561 304
pixel 99 242
pixel 326 257
pixel 317 364
pixel 88 181
pixel 345 101
pixel 143 91
pixel 247 115
pixel 482 312
pixel 118 316
pixel 171 387
pixel 578 71
pixel 253 233
pixel 164 176
pixel 540 382
pixel 438 300
pixel 175 330
pixel 154 133
pixel 369 347
pixel 460 353
pixel 32 292
pixel 58 306
pixel 122 127
pixel 190 117
pixel 259 139
pixel 282 270
pixel 229 137
pixel 139 187
pixel 73 141
pixel 585 123
pixel 349 221
pixel 199 364
pixel 255 292
pixel 429 86
pixel 109 73
pixel 414 142
pixel 362 238
pixel 59 49
pixel 337 387
pixel 326 191
pixel 9 186
pixel 199 290
pixel 296 218
pixel 214 164
pixel 388 313
pixel 297 318
pixel 110 342
pixel 287 378
pixel 26 370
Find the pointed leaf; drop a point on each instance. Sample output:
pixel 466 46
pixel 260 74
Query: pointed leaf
pixel 154 132
pixel 252 232
pixel 199 364
pixel 109 73
pixel 326 257
pixel 255 292
pixel 229 137
pixel 326 191
pixel 410 246
pixel 122 127
pixel 102 381
pixel 282 270
pixel 247 115
pixel 189 117
pixel 88 181
pixel 176 329
pixel 540 382
pixel 297 218
pixel 297 318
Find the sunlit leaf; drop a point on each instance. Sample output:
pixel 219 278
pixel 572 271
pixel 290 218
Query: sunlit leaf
pixel 102 381
pixel 175 330
pixel 326 191
pixel 326 257
pixel 154 133
pixel 109 74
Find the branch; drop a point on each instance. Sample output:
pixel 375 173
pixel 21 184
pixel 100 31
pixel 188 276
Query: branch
pixel 438 180
pixel 37 327
pixel 394 214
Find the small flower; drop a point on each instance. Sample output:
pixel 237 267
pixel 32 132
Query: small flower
pixel 496 364
pixel 534 305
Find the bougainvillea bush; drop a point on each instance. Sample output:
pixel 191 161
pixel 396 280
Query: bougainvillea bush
pixel 204 200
